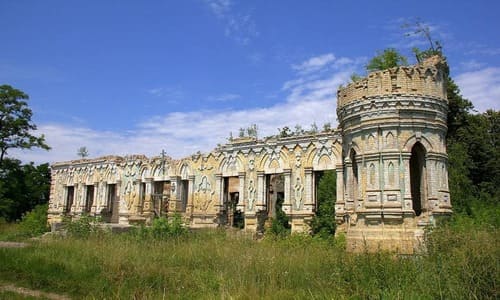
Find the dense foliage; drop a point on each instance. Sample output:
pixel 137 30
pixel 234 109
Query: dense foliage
pixel 323 223
pixel 22 187
pixel 16 127
pixel 387 59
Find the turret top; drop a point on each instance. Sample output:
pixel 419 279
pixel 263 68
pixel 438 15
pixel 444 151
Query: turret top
pixel 425 79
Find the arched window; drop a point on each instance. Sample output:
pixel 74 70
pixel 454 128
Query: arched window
pixel 372 175
pixel 354 183
pixel 390 174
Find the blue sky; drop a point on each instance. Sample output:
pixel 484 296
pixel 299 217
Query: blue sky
pixel 131 77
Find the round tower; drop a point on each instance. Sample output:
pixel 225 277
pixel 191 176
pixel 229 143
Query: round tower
pixel 395 175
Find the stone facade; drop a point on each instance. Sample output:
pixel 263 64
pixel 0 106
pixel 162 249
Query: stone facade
pixel 389 154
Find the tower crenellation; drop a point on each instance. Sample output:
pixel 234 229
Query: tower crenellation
pixel 426 79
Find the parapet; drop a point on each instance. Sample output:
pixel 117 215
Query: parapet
pixel 426 79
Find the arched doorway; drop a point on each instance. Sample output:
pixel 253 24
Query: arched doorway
pixel 417 177
pixel 354 179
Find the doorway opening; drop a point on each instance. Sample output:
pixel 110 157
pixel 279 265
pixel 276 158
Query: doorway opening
pixel 161 197
pixel 275 196
pixel 70 196
pixel 232 216
pixel 354 183
pixel 184 194
pixel 417 177
pixel 89 198
pixel 112 204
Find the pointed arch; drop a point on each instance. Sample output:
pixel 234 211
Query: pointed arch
pixel 370 142
pixel 390 140
pixel 390 174
pixel 418 138
pixel 372 175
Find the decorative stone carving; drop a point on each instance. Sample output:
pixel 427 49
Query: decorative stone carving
pixel 298 189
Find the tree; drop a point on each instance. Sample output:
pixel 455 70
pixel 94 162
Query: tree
pixel 284 132
pixel 389 58
pixel 15 122
pixel 22 187
pixel 82 152
pixel 314 128
pixel 323 223
pixel 252 131
pixel 472 141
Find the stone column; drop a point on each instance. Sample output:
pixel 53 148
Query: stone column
pixel 308 190
pixel 148 204
pixel 219 191
pixel 139 196
pixel 241 192
pixel 432 182
pixel 190 203
pixel 348 191
pixel 76 207
pixel 287 201
pixel 174 204
pixel 340 203
pixel 123 212
pixel 93 209
pixel 260 201
pixel 404 182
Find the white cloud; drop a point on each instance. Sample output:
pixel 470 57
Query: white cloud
pixel 481 87
pixel 224 97
pixel 471 65
pixel 167 92
pixel 237 26
pixel 310 99
pixel 481 49
pixel 219 7
pixel 315 63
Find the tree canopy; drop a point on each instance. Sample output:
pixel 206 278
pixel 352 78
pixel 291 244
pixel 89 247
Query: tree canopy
pixel 16 126
pixel 22 187
pixel 389 58
pixel 82 152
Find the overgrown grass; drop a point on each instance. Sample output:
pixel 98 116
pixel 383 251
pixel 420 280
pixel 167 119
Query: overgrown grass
pixel 33 223
pixel 462 262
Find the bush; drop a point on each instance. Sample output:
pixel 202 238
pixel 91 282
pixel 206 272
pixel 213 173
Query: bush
pixel 162 228
pixel 34 223
pixel 323 223
pixel 82 227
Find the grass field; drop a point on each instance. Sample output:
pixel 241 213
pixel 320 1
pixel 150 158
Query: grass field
pixel 462 263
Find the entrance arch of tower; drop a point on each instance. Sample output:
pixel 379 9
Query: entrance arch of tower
pixel 418 178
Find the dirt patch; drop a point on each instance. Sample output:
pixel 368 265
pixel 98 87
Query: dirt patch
pixel 32 293
pixel 13 245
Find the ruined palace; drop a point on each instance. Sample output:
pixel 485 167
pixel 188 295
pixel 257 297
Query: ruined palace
pixel 388 152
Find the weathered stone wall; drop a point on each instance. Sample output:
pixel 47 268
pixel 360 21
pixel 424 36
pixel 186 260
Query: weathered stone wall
pixel 199 186
pixel 389 154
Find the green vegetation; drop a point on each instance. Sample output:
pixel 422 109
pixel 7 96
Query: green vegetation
pixel 22 187
pixel 462 262
pixel 280 226
pixel 387 59
pixel 33 223
pixel 323 223
pixel 16 126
